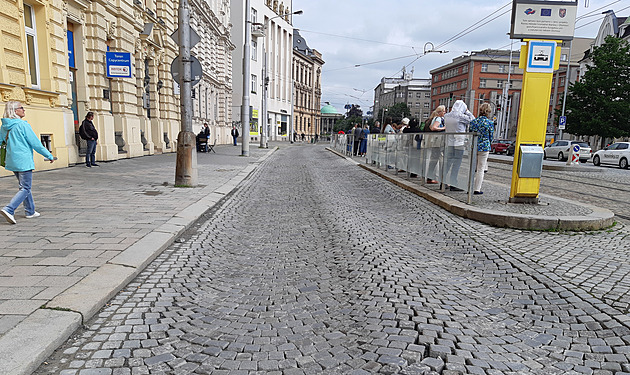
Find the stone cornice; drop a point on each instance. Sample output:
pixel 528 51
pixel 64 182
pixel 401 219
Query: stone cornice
pixel 6 90
pixel 37 96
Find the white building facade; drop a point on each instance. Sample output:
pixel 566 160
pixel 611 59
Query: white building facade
pixel 212 96
pixel 272 37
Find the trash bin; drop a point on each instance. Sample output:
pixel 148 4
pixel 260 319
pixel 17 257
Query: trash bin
pixel 530 161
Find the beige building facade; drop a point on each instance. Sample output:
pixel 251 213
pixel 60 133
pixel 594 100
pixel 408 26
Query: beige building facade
pixel 307 86
pixel 53 59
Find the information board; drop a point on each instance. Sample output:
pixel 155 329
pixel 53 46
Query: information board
pixel 536 19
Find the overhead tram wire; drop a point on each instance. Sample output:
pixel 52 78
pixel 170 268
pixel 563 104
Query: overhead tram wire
pixel 475 26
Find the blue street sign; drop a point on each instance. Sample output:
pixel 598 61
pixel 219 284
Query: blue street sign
pixel 576 148
pixel 562 120
pixel 118 64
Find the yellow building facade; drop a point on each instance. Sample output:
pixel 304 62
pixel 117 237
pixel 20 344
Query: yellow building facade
pixel 53 59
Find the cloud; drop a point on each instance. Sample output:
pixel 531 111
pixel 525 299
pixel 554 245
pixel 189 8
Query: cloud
pixel 375 34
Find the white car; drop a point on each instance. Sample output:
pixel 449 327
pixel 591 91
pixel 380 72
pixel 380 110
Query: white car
pixel 562 149
pixel 615 154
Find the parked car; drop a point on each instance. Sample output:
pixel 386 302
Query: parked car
pixel 615 154
pixel 499 146
pixel 510 149
pixel 562 149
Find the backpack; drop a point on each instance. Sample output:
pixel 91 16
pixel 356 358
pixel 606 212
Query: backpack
pixel 424 126
pixel 82 133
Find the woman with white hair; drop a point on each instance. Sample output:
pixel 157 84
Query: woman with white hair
pixel 21 140
pixel 456 121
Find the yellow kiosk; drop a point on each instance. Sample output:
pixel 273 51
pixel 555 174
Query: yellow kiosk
pixel 542 25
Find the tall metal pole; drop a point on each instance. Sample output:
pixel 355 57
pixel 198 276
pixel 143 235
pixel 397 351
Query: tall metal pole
pixel 246 78
pixel 186 165
pixel 263 125
pixel 566 84
pixel 506 113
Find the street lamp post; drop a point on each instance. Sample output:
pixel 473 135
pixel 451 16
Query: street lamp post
pixel 264 126
pixel 246 78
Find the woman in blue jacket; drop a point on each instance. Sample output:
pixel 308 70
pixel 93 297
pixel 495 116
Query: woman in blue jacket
pixel 21 141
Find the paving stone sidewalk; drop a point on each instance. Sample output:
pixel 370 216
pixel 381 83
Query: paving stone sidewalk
pixel 90 216
pixel 336 271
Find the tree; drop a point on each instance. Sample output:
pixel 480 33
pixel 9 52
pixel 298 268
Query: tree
pixel 355 111
pixel 398 111
pixel 598 104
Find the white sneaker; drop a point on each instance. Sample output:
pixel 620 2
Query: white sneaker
pixel 10 219
pixel 34 215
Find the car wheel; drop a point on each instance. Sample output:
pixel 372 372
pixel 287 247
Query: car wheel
pixel 596 160
pixel 623 163
pixel 561 156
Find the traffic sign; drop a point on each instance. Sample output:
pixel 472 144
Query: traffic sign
pixel 194 37
pixel 562 122
pixel 195 69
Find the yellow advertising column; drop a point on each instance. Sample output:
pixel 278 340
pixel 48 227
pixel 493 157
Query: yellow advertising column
pixel 539 58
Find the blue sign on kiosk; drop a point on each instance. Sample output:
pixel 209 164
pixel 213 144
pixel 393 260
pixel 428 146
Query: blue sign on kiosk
pixel 118 64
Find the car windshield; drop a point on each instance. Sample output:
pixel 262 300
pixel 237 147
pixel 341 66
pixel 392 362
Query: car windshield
pixel 582 144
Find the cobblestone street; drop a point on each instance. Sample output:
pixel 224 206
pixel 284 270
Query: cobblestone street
pixel 315 266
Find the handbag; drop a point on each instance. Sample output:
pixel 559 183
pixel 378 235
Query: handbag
pixel 3 151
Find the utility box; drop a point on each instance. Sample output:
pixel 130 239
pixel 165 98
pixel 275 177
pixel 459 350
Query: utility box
pixel 530 161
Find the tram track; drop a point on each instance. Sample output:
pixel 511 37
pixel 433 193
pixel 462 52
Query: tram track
pixel 572 187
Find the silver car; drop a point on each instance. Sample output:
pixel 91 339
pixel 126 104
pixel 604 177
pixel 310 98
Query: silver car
pixel 562 149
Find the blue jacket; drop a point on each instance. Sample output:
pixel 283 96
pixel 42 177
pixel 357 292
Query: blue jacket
pixel 20 145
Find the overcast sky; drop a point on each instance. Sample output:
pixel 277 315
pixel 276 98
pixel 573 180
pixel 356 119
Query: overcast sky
pixel 370 32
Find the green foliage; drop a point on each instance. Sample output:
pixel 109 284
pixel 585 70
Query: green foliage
pixel 397 112
pixel 347 124
pixel 598 104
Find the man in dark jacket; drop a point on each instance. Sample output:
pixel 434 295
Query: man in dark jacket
pixel 88 132
pixel 414 127
pixel 358 135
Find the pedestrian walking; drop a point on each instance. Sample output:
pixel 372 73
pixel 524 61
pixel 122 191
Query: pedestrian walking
pixel 21 140
pixel 456 121
pixel 234 133
pixel 88 132
pixel 434 141
pixel 485 127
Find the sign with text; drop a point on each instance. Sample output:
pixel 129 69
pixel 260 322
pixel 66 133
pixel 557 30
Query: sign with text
pixel 536 19
pixel 118 64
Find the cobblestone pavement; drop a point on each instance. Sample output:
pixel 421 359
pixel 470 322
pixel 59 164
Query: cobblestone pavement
pixel 315 266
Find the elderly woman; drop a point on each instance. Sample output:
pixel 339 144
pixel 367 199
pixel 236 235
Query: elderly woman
pixel 456 121
pixel 21 141
pixel 485 127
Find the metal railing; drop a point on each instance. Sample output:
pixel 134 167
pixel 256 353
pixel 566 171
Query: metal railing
pixel 448 158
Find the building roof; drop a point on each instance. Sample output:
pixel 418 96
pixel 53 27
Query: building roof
pixel 329 110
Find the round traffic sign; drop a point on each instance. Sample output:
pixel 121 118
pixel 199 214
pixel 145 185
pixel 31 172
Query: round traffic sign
pixel 195 69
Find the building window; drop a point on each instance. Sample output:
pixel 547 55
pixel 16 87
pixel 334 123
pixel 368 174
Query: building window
pixel 465 69
pixel 254 83
pixel 254 16
pixel 465 83
pixel 254 50
pixel 484 67
pixel 419 95
pixel 426 105
pixel 563 57
pixel 482 83
pixel 512 68
pixel 500 84
pixel 427 95
pixel 502 69
pixel 31 44
pixel 562 81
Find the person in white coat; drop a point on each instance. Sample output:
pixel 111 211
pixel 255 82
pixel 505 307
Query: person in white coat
pixel 456 121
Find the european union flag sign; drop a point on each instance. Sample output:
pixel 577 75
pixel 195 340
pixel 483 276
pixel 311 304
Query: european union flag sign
pixel 545 12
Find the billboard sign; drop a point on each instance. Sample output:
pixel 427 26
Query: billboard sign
pixel 539 19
